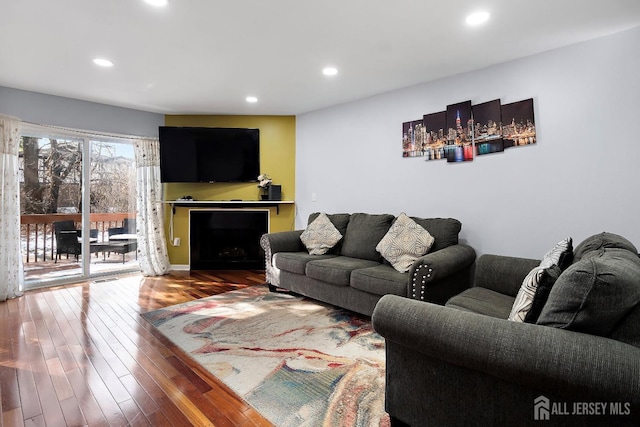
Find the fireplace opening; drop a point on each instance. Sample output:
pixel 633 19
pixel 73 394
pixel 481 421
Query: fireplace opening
pixel 227 239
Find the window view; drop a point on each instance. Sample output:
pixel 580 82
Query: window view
pixel 112 202
pixel 53 185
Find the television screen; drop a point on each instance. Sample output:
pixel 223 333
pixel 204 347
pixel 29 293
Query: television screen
pixel 190 154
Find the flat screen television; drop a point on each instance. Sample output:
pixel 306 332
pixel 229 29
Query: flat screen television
pixel 200 154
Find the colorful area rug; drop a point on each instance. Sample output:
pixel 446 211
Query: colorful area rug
pixel 297 361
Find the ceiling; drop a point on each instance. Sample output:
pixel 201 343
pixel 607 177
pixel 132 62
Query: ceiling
pixel 207 56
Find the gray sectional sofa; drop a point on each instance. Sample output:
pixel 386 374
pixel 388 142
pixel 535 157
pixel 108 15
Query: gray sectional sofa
pixel 466 364
pixel 353 275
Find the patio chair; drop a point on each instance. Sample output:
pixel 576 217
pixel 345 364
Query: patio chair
pixel 66 239
pixel 125 234
pixel 128 227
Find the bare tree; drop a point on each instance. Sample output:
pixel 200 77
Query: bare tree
pixel 53 174
pixel 32 191
pixel 64 158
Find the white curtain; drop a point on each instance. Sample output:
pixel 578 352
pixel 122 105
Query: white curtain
pixel 152 246
pixel 11 271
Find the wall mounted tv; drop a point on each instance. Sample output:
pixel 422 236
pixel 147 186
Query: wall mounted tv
pixel 200 154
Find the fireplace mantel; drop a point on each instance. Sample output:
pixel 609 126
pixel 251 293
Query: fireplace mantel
pixel 229 203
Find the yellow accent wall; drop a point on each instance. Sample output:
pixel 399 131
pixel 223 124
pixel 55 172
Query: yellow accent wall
pixel 277 159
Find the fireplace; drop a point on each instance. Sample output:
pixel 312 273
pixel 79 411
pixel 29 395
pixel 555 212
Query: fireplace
pixel 227 239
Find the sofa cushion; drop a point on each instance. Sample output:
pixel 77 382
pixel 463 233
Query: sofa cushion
pixel 444 230
pixel 483 301
pixel 340 221
pixel 364 231
pixel 296 262
pixel 602 240
pixel 320 236
pixel 380 280
pixel 336 270
pixel 404 243
pixel 595 293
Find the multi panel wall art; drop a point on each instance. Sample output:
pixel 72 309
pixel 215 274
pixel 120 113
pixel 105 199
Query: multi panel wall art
pixel 464 131
pixel 459 146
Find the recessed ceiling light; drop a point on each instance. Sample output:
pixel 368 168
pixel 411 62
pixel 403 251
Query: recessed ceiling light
pixel 251 99
pixel 330 71
pixel 103 62
pixel 477 18
pixel 157 3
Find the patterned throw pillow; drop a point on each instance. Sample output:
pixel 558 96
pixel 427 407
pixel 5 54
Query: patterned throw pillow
pixel 537 284
pixel 320 236
pixel 404 243
pixel 561 254
pixel 539 278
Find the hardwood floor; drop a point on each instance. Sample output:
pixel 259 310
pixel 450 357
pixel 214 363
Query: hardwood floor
pixel 81 355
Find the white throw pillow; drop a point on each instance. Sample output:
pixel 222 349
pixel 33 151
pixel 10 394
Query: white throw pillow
pixel 524 299
pixel 559 254
pixel 404 243
pixel 320 236
pixel 531 283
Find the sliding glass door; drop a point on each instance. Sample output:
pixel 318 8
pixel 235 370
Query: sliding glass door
pixel 77 200
pixel 51 207
pixel 113 208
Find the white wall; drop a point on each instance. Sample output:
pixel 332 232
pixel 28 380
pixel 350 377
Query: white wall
pixel 45 109
pixel 582 177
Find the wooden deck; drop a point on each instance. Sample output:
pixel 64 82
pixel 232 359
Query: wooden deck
pixel 82 355
pixel 108 263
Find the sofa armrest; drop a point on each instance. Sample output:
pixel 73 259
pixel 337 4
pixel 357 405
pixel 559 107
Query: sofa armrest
pixel 503 274
pixel 437 276
pixel 272 243
pixel 282 241
pixel 504 365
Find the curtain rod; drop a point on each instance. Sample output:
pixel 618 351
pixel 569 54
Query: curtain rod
pixel 88 132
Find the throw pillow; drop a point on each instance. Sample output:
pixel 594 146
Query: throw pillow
pixel 561 254
pixel 539 280
pixel 340 221
pixel 320 236
pixel 537 285
pixel 546 280
pixel 404 243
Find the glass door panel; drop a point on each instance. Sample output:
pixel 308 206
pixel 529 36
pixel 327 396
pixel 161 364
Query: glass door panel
pixel 113 238
pixel 51 209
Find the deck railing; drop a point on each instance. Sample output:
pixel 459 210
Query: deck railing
pixel 39 238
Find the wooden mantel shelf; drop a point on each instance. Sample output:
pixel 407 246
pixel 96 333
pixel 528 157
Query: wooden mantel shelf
pixel 229 203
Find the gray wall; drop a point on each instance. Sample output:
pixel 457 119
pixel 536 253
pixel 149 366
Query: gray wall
pixel 582 177
pixel 71 113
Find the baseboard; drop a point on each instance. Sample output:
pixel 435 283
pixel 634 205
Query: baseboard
pixel 180 267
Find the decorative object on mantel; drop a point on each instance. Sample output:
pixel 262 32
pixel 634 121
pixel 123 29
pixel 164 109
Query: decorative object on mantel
pixel 269 190
pixel 264 183
pixel 458 136
pixel 275 192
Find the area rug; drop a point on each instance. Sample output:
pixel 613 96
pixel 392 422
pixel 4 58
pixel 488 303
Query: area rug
pixel 296 361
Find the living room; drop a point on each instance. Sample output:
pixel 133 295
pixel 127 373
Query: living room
pixel 579 178
pixel 568 183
